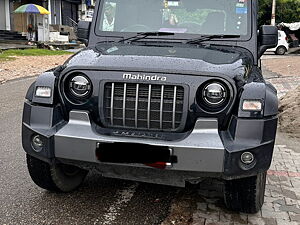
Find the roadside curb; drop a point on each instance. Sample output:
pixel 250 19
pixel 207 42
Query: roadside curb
pixel 2 82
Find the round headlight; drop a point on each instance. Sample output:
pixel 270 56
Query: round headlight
pixel 80 86
pixel 214 94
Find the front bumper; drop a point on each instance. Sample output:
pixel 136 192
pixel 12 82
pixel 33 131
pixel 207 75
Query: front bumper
pixel 205 152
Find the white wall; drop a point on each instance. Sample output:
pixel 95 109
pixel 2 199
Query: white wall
pixel 2 15
pixel 7 15
pixel 55 12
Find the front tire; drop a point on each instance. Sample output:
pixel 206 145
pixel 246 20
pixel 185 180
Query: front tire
pixel 246 194
pixel 56 177
pixel 281 50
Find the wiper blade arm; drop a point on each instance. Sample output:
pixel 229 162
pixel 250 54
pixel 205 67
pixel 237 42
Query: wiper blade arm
pixel 143 35
pixel 209 37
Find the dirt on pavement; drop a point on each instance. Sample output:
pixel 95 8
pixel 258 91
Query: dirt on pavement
pixel 285 66
pixel 289 104
pixel 26 66
pixel 289 118
pixel 182 208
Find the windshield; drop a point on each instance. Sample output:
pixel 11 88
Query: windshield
pixel 203 17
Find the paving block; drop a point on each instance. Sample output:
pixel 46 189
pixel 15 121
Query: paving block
pixel 213 222
pixel 207 215
pixel 202 206
pixel 273 214
pixel 261 221
pixel 284 222
pixel 233 217
pixel 199 221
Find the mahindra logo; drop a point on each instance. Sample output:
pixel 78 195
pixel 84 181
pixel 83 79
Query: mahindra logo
pixel 130 76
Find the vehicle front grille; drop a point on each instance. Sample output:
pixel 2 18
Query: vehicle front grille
pixel 143 106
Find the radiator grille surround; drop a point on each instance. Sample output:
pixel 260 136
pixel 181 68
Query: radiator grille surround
pixel 144 106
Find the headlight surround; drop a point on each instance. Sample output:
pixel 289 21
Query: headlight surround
pixel 213 96
pixel 80 86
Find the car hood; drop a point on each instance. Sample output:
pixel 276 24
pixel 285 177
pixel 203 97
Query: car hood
pixel 180 59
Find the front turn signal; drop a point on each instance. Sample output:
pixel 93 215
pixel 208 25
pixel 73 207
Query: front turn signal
pixel 252 105
pixel 43 92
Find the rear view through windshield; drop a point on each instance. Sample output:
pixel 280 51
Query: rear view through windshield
pixel 205 17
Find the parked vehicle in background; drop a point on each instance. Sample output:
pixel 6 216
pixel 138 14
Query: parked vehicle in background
pixel 282 46
pixel 166 92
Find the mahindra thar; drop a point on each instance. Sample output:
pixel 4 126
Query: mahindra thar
pixel 166 92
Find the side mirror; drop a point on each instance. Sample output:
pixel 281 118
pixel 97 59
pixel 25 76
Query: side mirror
pixel 267 38
pixel 83 31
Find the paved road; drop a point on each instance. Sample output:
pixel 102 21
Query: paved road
pixel 271 55
pixel 99 200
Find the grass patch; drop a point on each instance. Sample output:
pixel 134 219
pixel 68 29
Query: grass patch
pixel 12 53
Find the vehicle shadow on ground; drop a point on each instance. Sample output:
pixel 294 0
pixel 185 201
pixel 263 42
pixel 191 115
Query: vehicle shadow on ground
pixel 108 201
pixel 105 201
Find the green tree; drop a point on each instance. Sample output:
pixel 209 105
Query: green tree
pixel 287 11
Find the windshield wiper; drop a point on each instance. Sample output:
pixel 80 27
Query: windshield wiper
pixel 209 37
pixel 143 35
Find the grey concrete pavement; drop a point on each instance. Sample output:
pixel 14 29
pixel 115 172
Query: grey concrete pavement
pixel 283 84
pixel 7 46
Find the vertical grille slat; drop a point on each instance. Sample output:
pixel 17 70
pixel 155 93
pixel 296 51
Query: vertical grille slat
pixel 157 107
pixel 174 107
pixel 112 104
pixel 149 105
pixel 124 103
pixel 161 107
pixel 136 105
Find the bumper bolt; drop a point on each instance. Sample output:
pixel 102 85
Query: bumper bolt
pixel 247 158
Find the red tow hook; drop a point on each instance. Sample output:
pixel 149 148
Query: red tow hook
pixel 158 165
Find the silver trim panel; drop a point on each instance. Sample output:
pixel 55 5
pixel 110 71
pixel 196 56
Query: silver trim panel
pixel 202 150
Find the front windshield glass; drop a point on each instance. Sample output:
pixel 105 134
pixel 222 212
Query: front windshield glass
pixel 203 17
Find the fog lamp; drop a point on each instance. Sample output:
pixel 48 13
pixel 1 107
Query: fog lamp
pixel 252 105
pixel 247 158
pixel 44 92
pixel 37 143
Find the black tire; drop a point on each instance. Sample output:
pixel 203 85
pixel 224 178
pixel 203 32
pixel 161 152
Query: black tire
pixel 246 194
pixel 55 178
pixel 281 50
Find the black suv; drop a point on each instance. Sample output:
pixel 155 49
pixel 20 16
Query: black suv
pixel 167 92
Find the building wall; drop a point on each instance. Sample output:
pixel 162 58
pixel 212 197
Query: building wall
pixel 55 11
pixel 62 9
pixel 19 19
pixel 2 15
pixel 86 11
pixel 69 11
